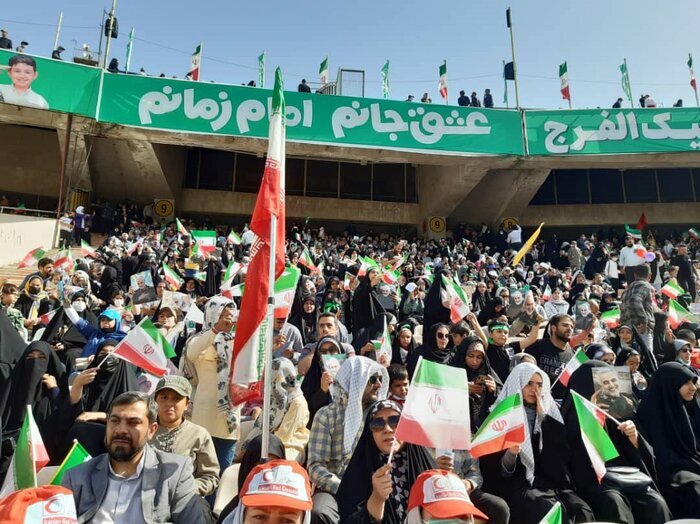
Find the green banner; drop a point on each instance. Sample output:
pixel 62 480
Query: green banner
pixel 48 84
pixel 612 131
pixel 200 107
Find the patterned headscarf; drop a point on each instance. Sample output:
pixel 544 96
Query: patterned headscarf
pixel 352 379
pixel 285 388
pixel 516 381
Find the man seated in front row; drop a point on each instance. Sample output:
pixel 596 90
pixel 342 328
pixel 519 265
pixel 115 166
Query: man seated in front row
pixel 134 483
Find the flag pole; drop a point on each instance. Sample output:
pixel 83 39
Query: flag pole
pixel 58 31
pixel 695 89
pixel 201 55
pixel 30 414
pixel 515 67
pixel 267 378
pixel 109 36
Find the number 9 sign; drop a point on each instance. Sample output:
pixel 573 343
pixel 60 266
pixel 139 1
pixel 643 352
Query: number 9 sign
pixel 437 224
pixel 164 208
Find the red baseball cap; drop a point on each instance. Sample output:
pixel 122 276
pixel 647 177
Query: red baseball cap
pixel 443 494
pixel 279 483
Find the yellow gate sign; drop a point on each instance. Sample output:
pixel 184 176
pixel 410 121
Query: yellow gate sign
pixel 509 222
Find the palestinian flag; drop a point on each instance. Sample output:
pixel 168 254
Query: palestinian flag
pixel 459 303
pixel 596 441
pixel 181 229
pixel 323 72
pixel 76 456
pixel 32 258
pixel 87 249
pixel 672 290
pixel 677 315
pixel 694 232
pixel 442 83
pixel 233 238
pixel 611 318
pixel 571 366
pixel 693 82
pixel 634 233
pixel 171 277
pixel 504 427
pixel 436 413
pixel 64 261
pixel 306 260
pixel 195 62
pixel 145 347
pixel 553 516
pixel 383 345
pixel 564 79
pixel 29 457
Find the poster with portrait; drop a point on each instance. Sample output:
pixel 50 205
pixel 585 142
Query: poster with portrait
pixel 142 288
pixel 612 388
pixel 180 300
pixel 332 363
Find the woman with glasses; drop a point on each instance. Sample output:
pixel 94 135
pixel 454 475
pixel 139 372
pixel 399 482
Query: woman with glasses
pixel 683 350
pixel 435 348
pixel 372 488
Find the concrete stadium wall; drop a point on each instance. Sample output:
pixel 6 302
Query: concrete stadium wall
pixel 611 214
pixel 30 160
pixel 20 234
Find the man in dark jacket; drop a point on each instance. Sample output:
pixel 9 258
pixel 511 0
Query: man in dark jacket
pixel 5 42
pixel 303 87
pixel 463 99
pixel 686 273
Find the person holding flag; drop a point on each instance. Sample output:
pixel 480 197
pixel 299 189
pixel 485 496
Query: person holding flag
pixel 533 476
pixel 609 501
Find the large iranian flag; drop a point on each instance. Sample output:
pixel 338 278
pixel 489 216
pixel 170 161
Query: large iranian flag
pixel 677 314
pixel 596 441
pixel 145 347
pixel 672 290
pixel 442 83
pixel 572 365
pixel 459 304
pixel 32 258
pixel 196 62
pixel 29 457
pixel 436 413
pixel 504 427
pixel 251 342
pixel 564 79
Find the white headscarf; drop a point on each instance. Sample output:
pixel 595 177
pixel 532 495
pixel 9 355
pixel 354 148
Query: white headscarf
pixel 352 379
pixel 516 381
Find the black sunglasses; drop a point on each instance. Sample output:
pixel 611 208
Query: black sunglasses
pixel 442 335
pixel 374 379
pixel 379 423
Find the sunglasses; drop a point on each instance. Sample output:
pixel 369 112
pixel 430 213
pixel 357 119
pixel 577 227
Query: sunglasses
pixel 685 350
pixel 374 379
pixel 379 423
pixel 442 335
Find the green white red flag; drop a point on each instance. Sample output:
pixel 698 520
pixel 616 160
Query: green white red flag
pixel 204 243
pixel 390 276
pixel 611 318
pixel 459 304
pixel 632 232
pixel 572 365
pixel 503 428
pixel 145 347
pixel 564 79
pixel 251 344
pixel 32 258
pixel 323 72
pixel 64 260
pixel 172 278
pixel 366 263
pixel 547 294
pixel 553 516
pixel 693 82
pixel 677 314
pixel 694 232
pixel 233 238
pixel 87 249
pixel 196 62
pixel 285 289
pixel 75 457
pixel 46 317
pixel 672 290
pixel 383 346
pixel 596 441
pixel 442 84
pixel 181 228
pixel 306 260
pixel 29 457
pixel 436 413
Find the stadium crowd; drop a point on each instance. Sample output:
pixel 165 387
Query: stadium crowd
pixel 176 449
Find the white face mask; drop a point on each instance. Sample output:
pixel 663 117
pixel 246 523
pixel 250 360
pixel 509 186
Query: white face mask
pixel 118 302
pixel 79 306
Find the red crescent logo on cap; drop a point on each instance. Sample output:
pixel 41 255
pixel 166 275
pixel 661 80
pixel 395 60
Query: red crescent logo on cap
pixel 499 425
pixel 268 475
pixel 439 482
pixel 53 505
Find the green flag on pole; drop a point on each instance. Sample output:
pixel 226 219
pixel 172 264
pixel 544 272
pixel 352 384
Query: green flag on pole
pixel 385 80
pixel 261 70
pixel 626 88
pixel 323 71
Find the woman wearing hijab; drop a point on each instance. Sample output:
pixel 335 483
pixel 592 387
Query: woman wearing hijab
pixel 480 297
pixel 631 358
pixel 534 476
pixel 206 365
pixel 365 304
pixel 250 459
pixel 669 417
pixel 403 345
pixel 305 318
pixel 11 349
pixel 372 490
pixel 33 301
pixel 600 351
pixel 289 413
pixel 434 310
pixel 317 381
pixel 494 309
pixel 109 282
pixel 435 348
pixel 608 502
pixel 484 385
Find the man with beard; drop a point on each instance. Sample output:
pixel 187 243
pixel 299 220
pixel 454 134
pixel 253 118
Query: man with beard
pixel 553 352
pixel 610 397
pixel 132 482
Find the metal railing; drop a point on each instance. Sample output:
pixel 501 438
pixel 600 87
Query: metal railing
pixel 42 213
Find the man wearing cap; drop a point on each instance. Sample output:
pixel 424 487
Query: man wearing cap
pixel 177 435
pixel 277 492
pixel 438 494
pixel 5 42
pixel 56 54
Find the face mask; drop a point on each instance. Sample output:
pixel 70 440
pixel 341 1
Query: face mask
pixel 79 306
pixel 118 302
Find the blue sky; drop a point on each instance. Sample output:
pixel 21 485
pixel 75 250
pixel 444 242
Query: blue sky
pixel 593 37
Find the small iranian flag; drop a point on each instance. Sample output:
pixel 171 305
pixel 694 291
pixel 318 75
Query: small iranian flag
pixel 442 84
pixel 87 249
pixel 596 441
pixel 32 258
pixel 694 232
pixel 75 457
pixel 428 275
pixel 46 317
pixel 390 276
pixel 171 277
pixel 547 294
pixel 366 263
pixel 195 62
pixel 204 243
pixel 383 345
pixel 64 260
pixel 611 318
pixel 693 82
pixel 564 78
pixel 231 271
pixel 503 428
pixel 459 304
pixel 634 233
pixel 553 516
pixel 677 314
pixel 233 238
pixel 436 413
pixel 571 366
pixel 145 347
pixel 29 457
pixel 672 290
pixel 306 260
pixel 181 229
pixel 323 72
pixel 285 289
